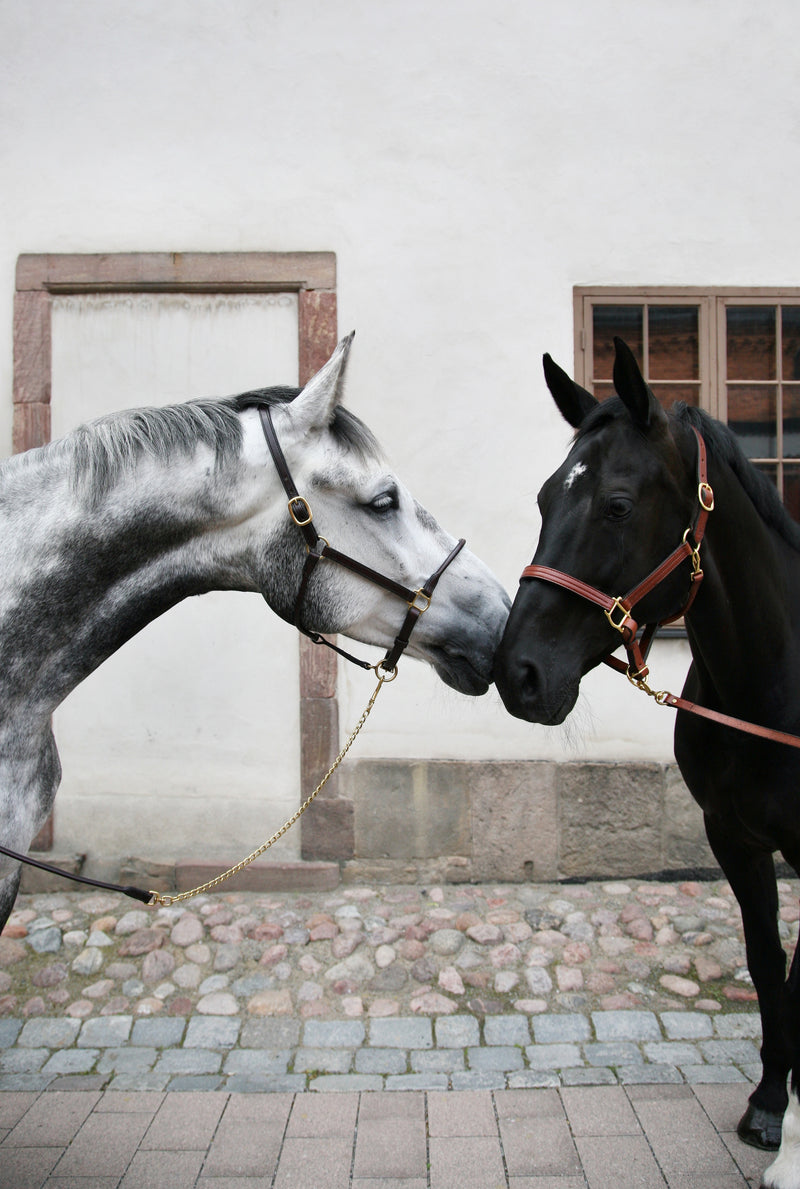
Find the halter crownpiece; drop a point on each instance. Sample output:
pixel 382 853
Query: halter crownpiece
pixel 317 548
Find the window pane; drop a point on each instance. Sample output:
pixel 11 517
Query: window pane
pixel 791 491
pixel 751 342
pixel 668 393
pixel 603 391
pixel 791 421
pixel 752 417
pixel 672 343
pixel 790 326
pixel 625 321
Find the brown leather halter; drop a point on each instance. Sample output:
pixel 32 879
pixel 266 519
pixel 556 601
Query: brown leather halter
pixel 317 548
pixel 618 612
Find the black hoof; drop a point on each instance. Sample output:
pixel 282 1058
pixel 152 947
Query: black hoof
pixel 760 1129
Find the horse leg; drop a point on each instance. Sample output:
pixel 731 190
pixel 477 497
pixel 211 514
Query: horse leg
pixel 784 1172
pixel 9 887
pixel 751 874
pixel 30 772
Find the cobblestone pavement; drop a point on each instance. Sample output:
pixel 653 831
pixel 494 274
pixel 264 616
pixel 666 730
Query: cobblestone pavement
pixel 459 987
pixel 599 1034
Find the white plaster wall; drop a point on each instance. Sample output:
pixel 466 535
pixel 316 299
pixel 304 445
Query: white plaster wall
pixel 469 163
pixel 179 736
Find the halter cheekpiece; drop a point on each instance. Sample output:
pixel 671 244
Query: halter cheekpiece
pixel 317 549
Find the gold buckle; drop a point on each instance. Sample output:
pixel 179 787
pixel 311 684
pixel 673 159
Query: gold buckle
pixel 299 499
pixel 609 614
pixel 705 489
pixel 695 554
pixel 420 606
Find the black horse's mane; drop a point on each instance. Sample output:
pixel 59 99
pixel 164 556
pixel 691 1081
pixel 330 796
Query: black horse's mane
pixel 723 444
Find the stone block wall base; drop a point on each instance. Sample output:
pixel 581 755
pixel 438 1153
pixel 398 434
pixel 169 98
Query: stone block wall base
pixel 36 881
pixel 183 876
pixel 261 877
pixel 456 821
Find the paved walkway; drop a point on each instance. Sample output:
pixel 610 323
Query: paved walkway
pixel 600 1137
pixel 599 1035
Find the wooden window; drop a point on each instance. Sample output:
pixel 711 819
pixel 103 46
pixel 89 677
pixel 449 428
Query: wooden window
pixel 733 352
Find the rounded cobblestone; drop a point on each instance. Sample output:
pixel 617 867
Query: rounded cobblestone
pixel 373 952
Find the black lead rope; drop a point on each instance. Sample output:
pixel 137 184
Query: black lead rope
pixel 127 890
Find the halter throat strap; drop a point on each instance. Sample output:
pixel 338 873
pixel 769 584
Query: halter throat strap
pixel 317 549
pixel 618 609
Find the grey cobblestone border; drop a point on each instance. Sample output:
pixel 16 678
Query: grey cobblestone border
pixel 455 1052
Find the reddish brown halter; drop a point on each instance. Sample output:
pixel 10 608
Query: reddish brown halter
pixel 618 611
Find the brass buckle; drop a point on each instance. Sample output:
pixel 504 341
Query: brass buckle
pixel 309 515
pixel 609 614
pixel 422 605
pixel 697 572
pixel 705 490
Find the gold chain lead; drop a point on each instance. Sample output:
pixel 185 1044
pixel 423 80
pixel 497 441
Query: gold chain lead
pixel 158 898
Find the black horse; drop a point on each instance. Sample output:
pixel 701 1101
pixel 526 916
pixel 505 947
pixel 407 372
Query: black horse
pixel 624 500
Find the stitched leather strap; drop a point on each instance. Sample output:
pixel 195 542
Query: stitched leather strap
pixel 318 549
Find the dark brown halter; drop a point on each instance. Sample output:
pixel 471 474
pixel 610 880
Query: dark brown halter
pixel 317 549
pixel 417 602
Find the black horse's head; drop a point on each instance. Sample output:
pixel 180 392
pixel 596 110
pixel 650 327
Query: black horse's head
pixel 611 513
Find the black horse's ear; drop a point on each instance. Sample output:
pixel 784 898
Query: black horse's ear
pixel 574 403
pixel 631 386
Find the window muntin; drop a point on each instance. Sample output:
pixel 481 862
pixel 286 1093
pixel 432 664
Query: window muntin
pixel 735 353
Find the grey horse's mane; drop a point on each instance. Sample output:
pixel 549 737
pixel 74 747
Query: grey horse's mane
pixel 103 451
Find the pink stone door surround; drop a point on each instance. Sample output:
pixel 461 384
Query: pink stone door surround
pixel 327 828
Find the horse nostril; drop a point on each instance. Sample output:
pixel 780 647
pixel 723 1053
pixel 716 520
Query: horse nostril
pixel 515 677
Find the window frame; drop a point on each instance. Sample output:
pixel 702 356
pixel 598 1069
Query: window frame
pixel 712 303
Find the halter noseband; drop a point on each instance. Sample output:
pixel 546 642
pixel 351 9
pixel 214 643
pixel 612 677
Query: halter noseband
pixel 618 610
pixel 317 548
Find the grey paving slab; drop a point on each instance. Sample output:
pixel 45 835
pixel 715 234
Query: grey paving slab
pixel 456 1161
pixel 156 1170
pixel 469 1113
pixel 391 1147
pixel 624 1161
pixel 302 1159
pixel 184 1121
pixel 600 1110
pixel 116 1137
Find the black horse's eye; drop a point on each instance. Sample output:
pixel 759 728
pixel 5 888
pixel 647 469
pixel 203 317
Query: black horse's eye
pixel 618 507
pixel 387 501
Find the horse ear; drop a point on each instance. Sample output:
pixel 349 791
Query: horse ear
pixel 313 408
pixel 631 387
pixel 574 403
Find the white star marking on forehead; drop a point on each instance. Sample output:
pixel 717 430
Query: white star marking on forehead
pixel 578 469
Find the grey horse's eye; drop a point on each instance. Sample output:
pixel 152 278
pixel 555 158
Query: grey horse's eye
pixel 387 501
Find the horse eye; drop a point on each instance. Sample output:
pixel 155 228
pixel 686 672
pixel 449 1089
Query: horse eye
pixel 385 502
pixel 618 507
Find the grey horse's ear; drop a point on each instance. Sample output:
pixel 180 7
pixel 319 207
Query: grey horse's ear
pixel 574 403
pixel 314 407
pixel 632 388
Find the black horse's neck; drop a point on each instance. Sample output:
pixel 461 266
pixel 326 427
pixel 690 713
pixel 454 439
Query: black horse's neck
pixel 744 627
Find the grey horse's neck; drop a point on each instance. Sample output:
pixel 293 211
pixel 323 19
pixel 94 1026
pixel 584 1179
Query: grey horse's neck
pixel 81 575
